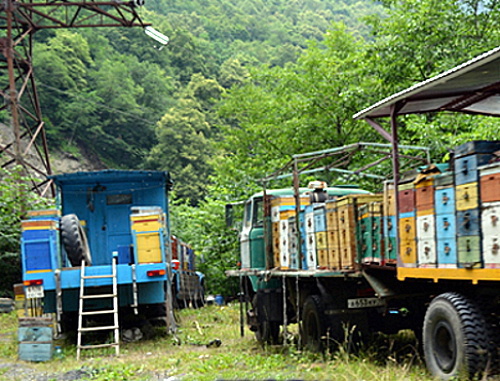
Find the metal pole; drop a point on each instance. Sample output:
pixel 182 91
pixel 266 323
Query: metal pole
pixel 9 55
pixel 395 169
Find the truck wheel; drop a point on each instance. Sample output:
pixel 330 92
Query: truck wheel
pixel 74 240
pixel 266 332
pixel 313 324
pixel 455 337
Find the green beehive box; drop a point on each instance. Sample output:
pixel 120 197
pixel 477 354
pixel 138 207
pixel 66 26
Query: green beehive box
pixel 469 252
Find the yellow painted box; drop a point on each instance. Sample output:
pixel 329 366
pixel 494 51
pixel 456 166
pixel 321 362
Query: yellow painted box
pixel 389 200
pixel 407 228
pixel 467 196
pixel 148 247
pixel 408 252
pixel 332 222
pixel 321 240
pixel 323 259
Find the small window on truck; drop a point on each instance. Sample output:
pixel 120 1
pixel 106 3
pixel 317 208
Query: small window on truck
pixel 258 213
pixel 248 213
pixel 119 199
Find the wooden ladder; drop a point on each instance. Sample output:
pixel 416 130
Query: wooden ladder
pixel 82 312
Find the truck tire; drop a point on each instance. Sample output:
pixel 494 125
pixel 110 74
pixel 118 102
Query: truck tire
pixel 455 337
pixel 75 241
pixel 313 328
pixel 266 331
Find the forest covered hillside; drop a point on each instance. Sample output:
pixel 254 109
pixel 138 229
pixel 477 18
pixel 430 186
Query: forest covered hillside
pixel 104 91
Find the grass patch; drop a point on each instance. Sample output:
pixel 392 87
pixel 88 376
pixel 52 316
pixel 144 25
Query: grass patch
pixel 193 354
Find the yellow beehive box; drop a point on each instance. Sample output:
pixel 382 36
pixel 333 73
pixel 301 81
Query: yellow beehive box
pixel 148 247
pixel 467 196
pixel 321 240
pixel 323 262
pixel 408 252
pixel 332 222
pixel 389 200
pixel 358 199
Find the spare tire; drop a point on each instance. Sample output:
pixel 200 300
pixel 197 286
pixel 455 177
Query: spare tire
pixel 75 241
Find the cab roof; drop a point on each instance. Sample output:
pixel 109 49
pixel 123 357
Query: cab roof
pixel 332 191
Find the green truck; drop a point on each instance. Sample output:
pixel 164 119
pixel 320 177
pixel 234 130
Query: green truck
pixel 422 254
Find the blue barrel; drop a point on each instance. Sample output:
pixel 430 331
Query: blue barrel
pixel 219 300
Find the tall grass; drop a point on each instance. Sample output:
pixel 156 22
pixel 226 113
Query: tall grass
pixel 192 354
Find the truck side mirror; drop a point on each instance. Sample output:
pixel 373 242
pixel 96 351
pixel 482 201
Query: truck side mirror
pixel 229 215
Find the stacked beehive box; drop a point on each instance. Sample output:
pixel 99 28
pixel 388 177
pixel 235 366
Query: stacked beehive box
pixel 426 228
pixel 390 225
pixel 40 240
pixel 332 231
pixel 468 158
pixel 347 212
pixel 285 254
pixel 407 225
pixel 444 199
pixel 148 232
pixel 293 243
pixel 311 261
pixel 370 239
pixel 321 236
pixel 490 214
pixel 35 339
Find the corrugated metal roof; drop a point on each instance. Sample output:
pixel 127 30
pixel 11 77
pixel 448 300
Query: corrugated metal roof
pixel 473 87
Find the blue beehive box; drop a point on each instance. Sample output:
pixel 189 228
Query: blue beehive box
pixel 445 200
pixel 468 222
pixel 35 339
pixel 447 252
pixel 445 226
pixel 466 168
pixel 38 246
pixel 319 218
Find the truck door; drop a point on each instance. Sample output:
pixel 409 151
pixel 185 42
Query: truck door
pixel 109 228
pixel 256 235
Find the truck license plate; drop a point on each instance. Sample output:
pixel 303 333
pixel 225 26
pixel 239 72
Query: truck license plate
pixel 33 292
pixel 365 303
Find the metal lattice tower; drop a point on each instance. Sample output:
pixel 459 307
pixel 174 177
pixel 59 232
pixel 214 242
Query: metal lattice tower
pixel 19 20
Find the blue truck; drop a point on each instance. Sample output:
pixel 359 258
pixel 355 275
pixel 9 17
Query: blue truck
pixel 101 217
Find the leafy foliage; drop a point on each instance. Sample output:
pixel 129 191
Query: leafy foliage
pixel 15 200
pixel 215 244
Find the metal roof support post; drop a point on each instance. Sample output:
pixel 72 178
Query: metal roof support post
pixel 379 129
pixel 395 169
pixel 296 185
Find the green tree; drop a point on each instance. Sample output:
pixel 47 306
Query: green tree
pixel 184 140
pixel 215 245
pixel 15 200
pixel 420 39
pixel 302 107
